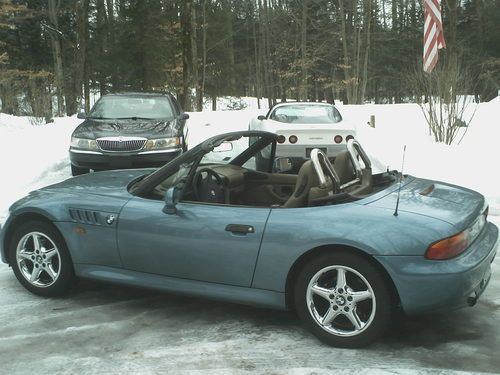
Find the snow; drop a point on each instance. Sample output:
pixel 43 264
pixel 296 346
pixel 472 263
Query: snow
pixel 108 329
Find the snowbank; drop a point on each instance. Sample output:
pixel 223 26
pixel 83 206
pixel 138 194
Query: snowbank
pixel 35 156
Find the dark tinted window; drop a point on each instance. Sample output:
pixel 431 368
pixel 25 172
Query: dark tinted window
pixel 155 107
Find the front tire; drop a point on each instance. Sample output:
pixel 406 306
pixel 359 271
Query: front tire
pixel 343 299
pixel 40 259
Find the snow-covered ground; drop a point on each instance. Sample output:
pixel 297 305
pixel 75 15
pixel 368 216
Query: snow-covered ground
pixel 107 329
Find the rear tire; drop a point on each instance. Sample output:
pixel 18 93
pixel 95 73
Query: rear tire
pixel 40 259
pixel 77 171
pixel 343 299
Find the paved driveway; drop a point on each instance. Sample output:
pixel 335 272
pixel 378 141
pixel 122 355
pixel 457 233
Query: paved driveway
pixel 108 329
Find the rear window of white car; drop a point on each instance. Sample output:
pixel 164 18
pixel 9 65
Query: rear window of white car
pixel 306 114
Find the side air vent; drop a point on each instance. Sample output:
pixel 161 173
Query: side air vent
pixel 86 216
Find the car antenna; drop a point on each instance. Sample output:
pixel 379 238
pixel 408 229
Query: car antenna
pixel 400 181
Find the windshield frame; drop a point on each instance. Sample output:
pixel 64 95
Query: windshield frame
pixel 146 185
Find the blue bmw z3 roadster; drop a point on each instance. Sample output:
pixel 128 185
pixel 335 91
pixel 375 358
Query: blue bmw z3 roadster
pixel 343 247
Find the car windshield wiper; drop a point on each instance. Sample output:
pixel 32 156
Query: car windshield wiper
pixel 99 117
pixel 135 118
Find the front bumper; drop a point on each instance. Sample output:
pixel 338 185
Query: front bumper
pixel 113 160
pixel 427 285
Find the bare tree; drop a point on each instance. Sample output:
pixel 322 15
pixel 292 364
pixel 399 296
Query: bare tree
pixel 447 107
pixel 356 38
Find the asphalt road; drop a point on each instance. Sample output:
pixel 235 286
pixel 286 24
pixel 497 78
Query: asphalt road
pixel 108 329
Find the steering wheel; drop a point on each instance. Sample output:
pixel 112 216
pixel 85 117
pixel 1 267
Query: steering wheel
pixel 209 187
pixel 321 163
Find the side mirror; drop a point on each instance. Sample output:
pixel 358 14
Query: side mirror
pixel 81 115
pixel 282 165
pixel 170 201
pixel 261 117
pixel 183 116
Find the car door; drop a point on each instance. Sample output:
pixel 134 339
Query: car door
pixel 205 242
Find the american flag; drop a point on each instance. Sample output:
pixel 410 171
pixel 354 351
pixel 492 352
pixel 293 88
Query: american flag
pixel 433 34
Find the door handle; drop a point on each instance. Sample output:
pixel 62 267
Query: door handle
pixel 240 228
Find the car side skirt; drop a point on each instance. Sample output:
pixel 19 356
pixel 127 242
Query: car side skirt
pixel 229 293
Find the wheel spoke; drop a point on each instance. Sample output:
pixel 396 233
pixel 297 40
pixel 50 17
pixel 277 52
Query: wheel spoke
pixel 361 296
pixel 35 274
pixel 25 255
pixel 36 242
pixel 322 292
pixel 50 254
pixel 341 281
pixel 354 319
pixel 329 317
pixel 50 271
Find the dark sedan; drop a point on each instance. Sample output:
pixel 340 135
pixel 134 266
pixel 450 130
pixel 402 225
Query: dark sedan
pixel 129 130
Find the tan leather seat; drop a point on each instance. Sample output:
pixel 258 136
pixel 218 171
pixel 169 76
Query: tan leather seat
pixel 344 168
pixel 306 179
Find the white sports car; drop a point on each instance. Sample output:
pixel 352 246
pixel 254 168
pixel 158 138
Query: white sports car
pixel 301 127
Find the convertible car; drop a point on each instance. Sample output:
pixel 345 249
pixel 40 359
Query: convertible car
pixel 343 247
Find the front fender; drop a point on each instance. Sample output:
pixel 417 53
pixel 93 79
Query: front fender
pixel 95 240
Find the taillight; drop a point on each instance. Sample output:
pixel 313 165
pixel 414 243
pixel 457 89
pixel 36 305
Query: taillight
pixel 449 247
pixel 293 139
pixel 281 139
pixel 338 139
pixel 348 138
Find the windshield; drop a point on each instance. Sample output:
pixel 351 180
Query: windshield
pixel 116 107
pixel 306 114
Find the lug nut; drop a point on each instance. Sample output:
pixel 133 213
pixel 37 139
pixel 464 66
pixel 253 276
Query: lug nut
pixel 349 298
pixel 44 256
pixel 346 309
pixel 331 296
pixel 341 290
pixel 335 307
pixel 36 265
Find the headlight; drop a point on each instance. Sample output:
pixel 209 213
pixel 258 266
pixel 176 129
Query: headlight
pixel 84 144
pixel 162 143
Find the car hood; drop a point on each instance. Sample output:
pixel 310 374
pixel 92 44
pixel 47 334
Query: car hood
pixel 96 128
pixel 455 205
pixel 107 183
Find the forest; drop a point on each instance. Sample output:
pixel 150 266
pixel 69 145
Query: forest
pixel 56 53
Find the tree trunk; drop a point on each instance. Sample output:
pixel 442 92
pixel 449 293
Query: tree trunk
pixel 102 30
pixel 194 55
pixel 258 92
pixel 347 62
pixel 187 56
pixel 53 9
pixel 367 25
pixel 303 49
pixel 201 93
pixel 80 67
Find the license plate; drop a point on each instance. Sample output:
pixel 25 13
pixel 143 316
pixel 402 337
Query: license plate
pixel 309 149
